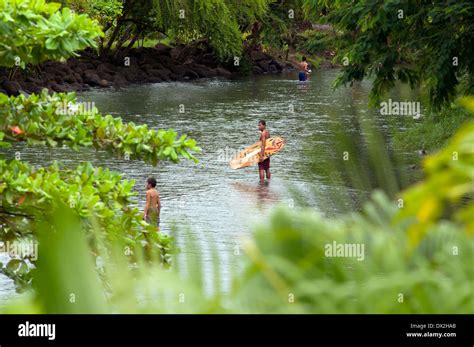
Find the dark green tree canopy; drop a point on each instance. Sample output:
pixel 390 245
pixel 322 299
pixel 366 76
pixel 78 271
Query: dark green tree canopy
pixel 424 43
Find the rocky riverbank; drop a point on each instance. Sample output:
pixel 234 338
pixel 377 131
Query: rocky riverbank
pixel 141 65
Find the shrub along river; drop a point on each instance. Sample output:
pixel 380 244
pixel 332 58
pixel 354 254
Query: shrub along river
pixel 212 201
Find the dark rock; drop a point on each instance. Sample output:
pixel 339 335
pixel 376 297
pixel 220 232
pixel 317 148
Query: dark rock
pixel 258 56
pixel 69 88
pixel 72 63
pixel 103 83
pixel 173 77
pixel 154 79
pixel 90 77
pixel 147 67
pixel 76 86
pixel 34 80
pixel 105 76
pixel 11 87
pixel 81 66
pixel 32 87
pixel 189 61
pixel 272 68
pixel 175 53
pixel 257 70
pixel 130 73
pixel 207 59
pixel 163 49
pixel 204 71
pixel 95 63
pixel 162 75
pixel 46 77
pixel 264 65
pixel 277 64
pixel 166 61
pixel 223 72
pixel 62 69
pixel 157 66
pixel 147 60
pixel 165 71
pixel 70 78
pixel 192 75
pixel 142 76
pixel 60 88
pixel 177 70
pixel 120 80
pixel 106 68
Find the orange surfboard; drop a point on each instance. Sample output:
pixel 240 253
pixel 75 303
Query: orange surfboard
pixel 250 155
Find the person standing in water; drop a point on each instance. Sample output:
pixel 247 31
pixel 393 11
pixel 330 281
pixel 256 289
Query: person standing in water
pixel 153 204
pixel 263 164
pixel 304 70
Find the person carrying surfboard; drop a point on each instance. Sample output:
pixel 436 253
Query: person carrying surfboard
pixel 263 164
pixel 304 70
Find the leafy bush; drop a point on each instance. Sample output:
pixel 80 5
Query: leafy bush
pixel 313 41
pixel 39 119
pixel 34 31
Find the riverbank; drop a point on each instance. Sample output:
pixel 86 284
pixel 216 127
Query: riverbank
pixel 431 132
pixel 137 66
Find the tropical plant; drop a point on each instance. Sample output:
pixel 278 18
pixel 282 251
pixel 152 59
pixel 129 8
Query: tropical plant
pixel 422 43
pixel 35 31
pixel 59 120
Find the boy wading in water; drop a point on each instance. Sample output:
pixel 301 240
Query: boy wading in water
pixel 153 204
pixel 263 165
pixel 304 70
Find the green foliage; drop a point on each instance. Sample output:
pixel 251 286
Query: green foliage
pixel 290 272
pixel 279 30
pixel 104 11
pixel 98 196
pixel 313 41
pixel 34 31
pixel 448 190
pixel 421 43
pixel 185 21
pixel 212 20
pixel 47 119
pixel 433 131
pixel 79 286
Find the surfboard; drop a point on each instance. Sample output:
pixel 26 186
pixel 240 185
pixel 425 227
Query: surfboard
pixel 250 155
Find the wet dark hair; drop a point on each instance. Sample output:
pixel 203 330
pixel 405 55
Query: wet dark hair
pixel 261 121
pixel 151 181
pixel 303 59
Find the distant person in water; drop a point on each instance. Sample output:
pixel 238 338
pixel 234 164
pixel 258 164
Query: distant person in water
pixel 304 70
pixel 153 204
pixel 263 164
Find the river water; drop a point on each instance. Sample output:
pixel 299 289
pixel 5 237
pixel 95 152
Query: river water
pixel 218 205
